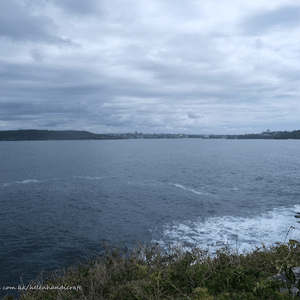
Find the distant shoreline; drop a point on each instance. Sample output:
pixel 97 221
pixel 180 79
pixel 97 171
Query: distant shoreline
pixel 46 135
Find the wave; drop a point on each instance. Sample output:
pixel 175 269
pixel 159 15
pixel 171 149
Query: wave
pixel 193 190
pixel 88 178
pixel 27 181
pixel 30 181
pixel 244 233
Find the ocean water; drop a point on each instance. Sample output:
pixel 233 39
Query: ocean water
pixel 60 200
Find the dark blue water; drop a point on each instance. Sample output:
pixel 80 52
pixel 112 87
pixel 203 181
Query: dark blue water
pixel 59 200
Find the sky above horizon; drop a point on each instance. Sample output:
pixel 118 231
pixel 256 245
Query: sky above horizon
pixel 150 66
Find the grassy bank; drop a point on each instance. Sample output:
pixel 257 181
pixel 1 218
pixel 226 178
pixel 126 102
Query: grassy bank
pixel 148 272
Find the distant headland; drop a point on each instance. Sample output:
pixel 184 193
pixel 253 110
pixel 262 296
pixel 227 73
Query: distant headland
pixel 42 135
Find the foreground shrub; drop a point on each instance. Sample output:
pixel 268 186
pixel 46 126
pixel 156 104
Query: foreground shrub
pixel 149 272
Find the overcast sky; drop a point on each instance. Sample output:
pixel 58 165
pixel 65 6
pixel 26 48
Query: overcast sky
pixel 152 66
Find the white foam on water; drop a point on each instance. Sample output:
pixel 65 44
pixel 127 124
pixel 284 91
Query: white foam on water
pixel 192 190
pixel 87 177
pixel 244 233
pixel 27 181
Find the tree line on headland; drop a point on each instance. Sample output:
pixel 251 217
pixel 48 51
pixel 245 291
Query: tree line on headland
pixel 38 135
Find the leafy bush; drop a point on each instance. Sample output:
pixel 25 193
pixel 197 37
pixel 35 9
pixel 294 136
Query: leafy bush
pixel 149 272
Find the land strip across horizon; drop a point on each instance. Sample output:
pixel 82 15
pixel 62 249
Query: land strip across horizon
pixel 37 135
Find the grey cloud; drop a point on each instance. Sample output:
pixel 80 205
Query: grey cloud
pixel 68 94
pixel 37 55
pixel 193 116
pixel 194 48
pixel 15 106
pixel 18 24
pixel 259 44
pixel 79 7
pixel 286 16
pixel 137 78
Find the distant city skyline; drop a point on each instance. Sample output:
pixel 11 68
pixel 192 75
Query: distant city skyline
pixel 197 67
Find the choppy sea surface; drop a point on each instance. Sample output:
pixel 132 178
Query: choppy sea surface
pixel 59 200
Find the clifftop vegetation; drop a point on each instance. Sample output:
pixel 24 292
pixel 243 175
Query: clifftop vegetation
pixel 149 272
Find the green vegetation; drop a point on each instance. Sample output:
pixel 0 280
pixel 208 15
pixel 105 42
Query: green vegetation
pixel 40 135
pixel 149 272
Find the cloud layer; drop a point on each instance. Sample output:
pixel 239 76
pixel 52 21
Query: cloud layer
pixel 151 66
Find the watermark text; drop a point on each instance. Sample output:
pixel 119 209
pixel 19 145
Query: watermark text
pixel 22 287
